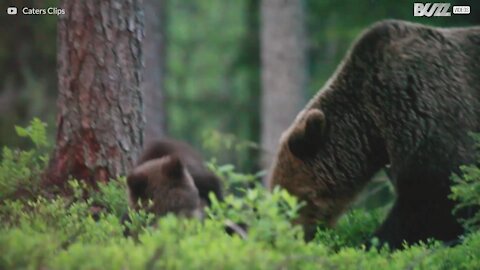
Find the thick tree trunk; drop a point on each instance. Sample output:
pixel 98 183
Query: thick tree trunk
pixel 283 49
pixel 99 120
pixel 153 85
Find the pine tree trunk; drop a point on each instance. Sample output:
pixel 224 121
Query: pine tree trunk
pixel 153 85
pixel 283 49
pixel 99 121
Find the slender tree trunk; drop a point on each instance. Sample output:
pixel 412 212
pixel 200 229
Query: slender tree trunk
pixel 153 85
pixel 283 49
pixel 252 63
pixel 99 122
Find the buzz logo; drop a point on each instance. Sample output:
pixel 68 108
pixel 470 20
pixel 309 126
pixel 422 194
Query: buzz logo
pixel 429 9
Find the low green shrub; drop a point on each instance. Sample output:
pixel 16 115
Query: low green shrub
pixel 20 170
pixel 86 232
pixel 50 235
pixel 354 229
pixel 466 191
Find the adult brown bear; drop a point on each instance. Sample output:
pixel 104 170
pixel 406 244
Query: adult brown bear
pixel 405 95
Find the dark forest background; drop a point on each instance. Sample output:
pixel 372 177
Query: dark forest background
pixel 212 70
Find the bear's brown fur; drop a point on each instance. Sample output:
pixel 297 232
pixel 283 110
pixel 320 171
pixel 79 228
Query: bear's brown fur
pixel 170 177
pixel 204 179
pixel 173 176
pixel 167 185
pixel 405 95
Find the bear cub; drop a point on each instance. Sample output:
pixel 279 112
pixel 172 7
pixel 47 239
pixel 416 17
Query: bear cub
pixel 169 186
pixel 173 176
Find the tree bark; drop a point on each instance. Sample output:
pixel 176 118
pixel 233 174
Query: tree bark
pixel 283 50
pixel 153 85
pixel 99 121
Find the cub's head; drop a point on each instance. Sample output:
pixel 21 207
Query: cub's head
pixel 167 184
pixel 322 161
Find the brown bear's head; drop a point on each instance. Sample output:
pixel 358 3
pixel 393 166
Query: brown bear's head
pixel 323 163
pixel 167 184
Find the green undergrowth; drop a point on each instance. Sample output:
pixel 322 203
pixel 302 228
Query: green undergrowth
pixel 42 231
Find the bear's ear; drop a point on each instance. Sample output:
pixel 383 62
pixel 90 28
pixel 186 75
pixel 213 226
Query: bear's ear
pixel 304 144
pixel 137 183
pixel 173 167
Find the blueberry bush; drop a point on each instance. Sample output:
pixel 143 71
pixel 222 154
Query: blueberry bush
pixel 40 230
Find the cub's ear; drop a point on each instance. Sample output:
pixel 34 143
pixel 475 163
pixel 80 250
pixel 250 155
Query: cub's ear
pixel 305 143
pixel 173 167
pixel 137 183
